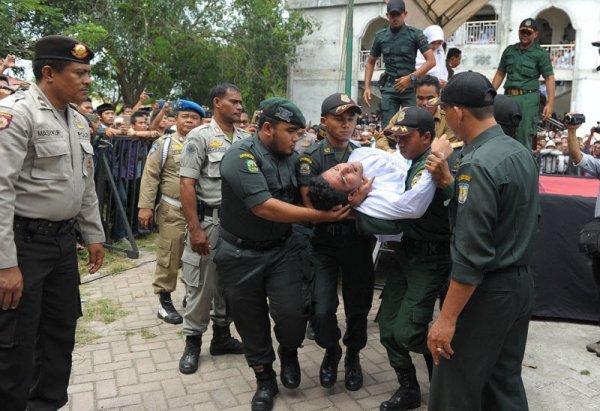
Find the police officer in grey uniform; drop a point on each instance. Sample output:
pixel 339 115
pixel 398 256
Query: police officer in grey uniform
pixel 200 186
pixel 47 185
pixel 259 257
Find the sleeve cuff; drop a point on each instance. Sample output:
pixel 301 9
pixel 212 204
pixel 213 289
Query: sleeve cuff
pixel 189 172
pixel 146 205
pixel 93 239
pixel 464 274
pixel 448 192
pixel 256 199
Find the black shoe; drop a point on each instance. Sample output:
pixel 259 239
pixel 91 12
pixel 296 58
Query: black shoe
pixel 166 310
pixel 329 366
pixel 290 368
pixel 223 343
pixel 265 394
pixel 354 377
pixel 408 396
pixel 188 364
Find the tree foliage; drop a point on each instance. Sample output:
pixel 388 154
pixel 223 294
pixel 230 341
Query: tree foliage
pixel 174 48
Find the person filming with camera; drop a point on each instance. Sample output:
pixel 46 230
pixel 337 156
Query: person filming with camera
pixel 592 165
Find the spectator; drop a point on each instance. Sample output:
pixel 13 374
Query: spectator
pixel 435 36
pixel 7 63
pixel 244 121
pixel 85 107
pixel 453 60
pixel 5 90
pixel 106 112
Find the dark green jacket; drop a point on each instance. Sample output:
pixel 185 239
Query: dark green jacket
pixel 523 67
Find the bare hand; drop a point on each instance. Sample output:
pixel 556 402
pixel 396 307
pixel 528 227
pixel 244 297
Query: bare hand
pixel 143 97
pixel 443 84
pixel 439 339
pixel 337 213
pixel 439 169
pixel 361 192
pixel 367 96
pixel 111 132
pixel 96 252
pixel 11 287
pixel 199 241
pixel 145 217
pixel 572 126
pixel 547 112
pixel 401 84
pixel 442 145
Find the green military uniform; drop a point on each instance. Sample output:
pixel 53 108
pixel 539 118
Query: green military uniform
pixel 337 247
pixel 399 50
pixel 162 171
pixel 523 68
pixel 494 215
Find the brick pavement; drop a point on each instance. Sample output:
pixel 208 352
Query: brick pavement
pixel 125 371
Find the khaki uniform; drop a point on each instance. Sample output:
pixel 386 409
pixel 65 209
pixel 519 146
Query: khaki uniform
pixel 201 159
pixel 46 184
pixel 169 214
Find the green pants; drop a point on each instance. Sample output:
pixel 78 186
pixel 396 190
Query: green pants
pixel 409 297
pixel 489 344
pixel 391 101
pixel 530 113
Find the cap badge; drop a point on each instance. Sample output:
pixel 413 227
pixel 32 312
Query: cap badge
pixel 345 98
pixel 341 108
pixel 284 114
pixel 400 116
pixel 80 51
pixel 528 22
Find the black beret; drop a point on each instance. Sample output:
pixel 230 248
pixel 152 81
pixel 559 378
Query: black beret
pixel 62 48
pixel 469 89
pixel 278 108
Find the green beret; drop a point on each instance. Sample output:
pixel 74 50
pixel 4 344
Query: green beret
pixel 278 108
pixel 62 48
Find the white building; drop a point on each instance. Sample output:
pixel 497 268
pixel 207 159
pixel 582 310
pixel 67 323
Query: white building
pixel 481 29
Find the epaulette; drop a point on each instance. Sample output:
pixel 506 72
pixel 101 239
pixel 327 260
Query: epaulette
pixel 313 147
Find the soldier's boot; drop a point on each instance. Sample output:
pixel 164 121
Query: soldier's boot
pixel 166 310
pixel 429 362
pixel 329 366
pixel 408 396
pixel 354 377
pixel 223 343
pixel 290 368
pixel 188 363
pixel 266 388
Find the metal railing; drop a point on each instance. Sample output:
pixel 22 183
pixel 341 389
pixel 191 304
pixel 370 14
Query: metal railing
pixel 364 56
pixel 481 32
pixel 561 55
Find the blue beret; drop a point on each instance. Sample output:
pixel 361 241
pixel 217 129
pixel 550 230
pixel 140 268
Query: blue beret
pixel 186 105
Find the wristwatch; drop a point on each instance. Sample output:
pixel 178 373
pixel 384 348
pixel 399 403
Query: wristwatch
pixel 413 78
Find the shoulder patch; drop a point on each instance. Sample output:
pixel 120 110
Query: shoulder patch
pixel 416 178
pixel 305 169
pixel 153 149
pixel 5 120
pixel 252 166
pixel 247 155
pixel 327 150
pixel 464 177
pixel 463 192
pixel 305 159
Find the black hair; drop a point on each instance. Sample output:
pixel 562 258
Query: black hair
pixel 453 52
pixel 481 113
pixel 428 80
pixel 135 116
pixel 323 196
pixel 38 65
pixel 220 90
pixel 3 78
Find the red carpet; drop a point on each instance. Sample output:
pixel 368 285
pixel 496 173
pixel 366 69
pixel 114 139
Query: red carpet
pixel 569 186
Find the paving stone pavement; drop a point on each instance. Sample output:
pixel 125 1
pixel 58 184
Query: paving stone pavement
pixel 125 371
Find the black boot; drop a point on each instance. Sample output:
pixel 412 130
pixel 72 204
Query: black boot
pixel 354 376
pixel 290 368
pixel 223 343
pixel 166 310
pixel 188 364
pixel 329 366
pixel 429 362
pixel 408 396
pixel 266 388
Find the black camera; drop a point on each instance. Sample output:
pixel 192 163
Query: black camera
pixel 574 119
pixel 597 128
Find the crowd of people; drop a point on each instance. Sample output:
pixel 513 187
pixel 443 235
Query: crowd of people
pixel 264 215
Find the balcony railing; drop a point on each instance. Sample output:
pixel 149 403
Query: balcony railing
pixel 481 32
pixel 562 56
pixel 364 56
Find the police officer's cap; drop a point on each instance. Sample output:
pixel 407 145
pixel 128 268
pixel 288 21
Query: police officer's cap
pixel 529 23
pixel 506 111
pixel 280 109
pixel 469 89
pixel 411 119
pixel 339 103
pixel 62 48
pixel 186 105
pixel 104 107
pixel 396 5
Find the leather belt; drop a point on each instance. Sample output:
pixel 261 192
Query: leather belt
pixel 518 92
pixel 214 212
pixel 253 245
pixel 336 229
pixel 42 227
pixel 170 200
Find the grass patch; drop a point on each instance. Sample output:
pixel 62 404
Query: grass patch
pixel 85 335
pixel 103 310
pixel 180 333
pixel 129 333
pixel 147 334
pixel 584 372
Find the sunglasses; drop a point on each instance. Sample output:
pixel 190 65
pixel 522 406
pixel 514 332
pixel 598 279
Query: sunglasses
pixel 528 32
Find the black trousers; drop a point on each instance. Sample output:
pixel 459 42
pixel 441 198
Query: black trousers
pixel 37 338
pixel 349 255
pixel 258 283
pixel 596 273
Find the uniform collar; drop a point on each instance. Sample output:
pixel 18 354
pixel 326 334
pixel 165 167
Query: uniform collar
pixel 437 116
pixel 177 137
pixel 417 161
pixel 216 129
pixel 483 138
pixel 329 149
pixel 40 98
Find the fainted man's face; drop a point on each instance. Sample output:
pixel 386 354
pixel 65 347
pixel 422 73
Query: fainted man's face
pixel 345 177
pixel 412 145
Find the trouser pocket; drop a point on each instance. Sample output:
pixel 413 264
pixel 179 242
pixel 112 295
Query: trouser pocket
pixel 8 328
